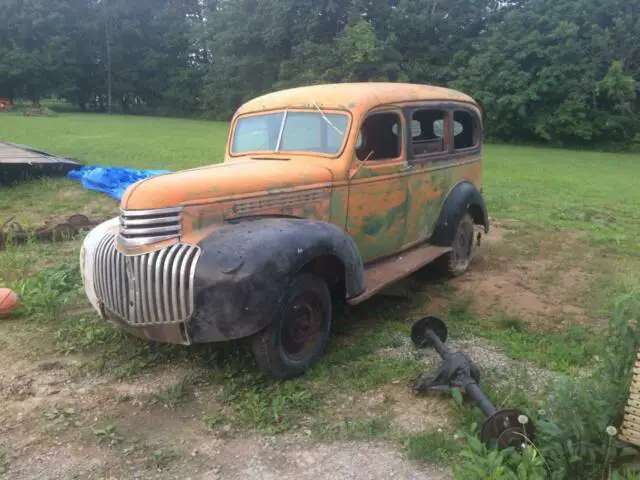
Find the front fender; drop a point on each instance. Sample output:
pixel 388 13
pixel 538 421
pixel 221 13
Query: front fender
pixel 245 268
pixel 463 198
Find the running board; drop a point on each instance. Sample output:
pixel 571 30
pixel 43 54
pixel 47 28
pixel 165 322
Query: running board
pixel 383 273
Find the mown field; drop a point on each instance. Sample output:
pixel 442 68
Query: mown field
pixel 535 307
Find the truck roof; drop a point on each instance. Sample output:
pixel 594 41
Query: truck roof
pixel 354 97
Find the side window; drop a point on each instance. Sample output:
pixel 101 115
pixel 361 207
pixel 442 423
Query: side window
pixel 427 132
pixel 464 130
pixel 380 137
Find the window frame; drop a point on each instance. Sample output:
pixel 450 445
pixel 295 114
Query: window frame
pixel 289 153
pixel 449 152
pixel 477 126
pixel 409 112
pixel 398 112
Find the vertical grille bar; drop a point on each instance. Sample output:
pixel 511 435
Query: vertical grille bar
pixel 153 318
pixel 192 280
pixel 111 286
pixel 122 290
pixel 141 311
pixel 185 281
pixel 166 281
pixel 175 282
pixel 144 308
pixel 162 316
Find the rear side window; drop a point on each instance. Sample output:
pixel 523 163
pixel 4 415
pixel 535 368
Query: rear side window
pixel 465 130
pixel 427 132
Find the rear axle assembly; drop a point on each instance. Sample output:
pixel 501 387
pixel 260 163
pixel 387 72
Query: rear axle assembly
pixel 506 428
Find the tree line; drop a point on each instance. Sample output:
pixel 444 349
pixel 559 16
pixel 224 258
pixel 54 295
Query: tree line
pixel 560 71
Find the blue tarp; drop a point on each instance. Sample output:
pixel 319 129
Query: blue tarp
pixel 111 180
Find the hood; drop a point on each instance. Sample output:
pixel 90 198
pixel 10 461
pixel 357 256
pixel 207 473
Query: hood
pixel 224 180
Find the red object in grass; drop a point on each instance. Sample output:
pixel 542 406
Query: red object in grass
pixel 9 302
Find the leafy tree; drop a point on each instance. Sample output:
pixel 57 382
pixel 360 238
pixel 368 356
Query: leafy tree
pixel 541 76
pixel 562 71
pixel 355 55
pixel 35 53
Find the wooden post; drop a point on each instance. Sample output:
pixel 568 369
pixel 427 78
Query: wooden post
pixel 630 430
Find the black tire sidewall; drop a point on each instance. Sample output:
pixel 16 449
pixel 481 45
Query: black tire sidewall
pixel 280 364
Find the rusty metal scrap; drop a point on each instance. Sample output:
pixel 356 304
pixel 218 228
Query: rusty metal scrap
pixel 502 428
pixel 12 232
pixel 20 163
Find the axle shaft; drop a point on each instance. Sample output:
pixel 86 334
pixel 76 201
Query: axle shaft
pixel 439 346
pixel 505 427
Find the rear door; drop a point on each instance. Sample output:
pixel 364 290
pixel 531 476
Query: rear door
pixel 443 149
pixel 377 207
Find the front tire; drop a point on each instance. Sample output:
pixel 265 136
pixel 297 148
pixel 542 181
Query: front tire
pixel 456 262
pixel 299 335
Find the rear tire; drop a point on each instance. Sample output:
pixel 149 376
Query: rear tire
pixel 300 333
pixel 456 262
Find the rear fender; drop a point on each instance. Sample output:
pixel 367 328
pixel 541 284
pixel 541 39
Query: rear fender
pixel 463 198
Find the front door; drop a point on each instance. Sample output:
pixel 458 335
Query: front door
pixel 378 205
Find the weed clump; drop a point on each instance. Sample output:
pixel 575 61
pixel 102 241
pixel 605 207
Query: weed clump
pixel 47 293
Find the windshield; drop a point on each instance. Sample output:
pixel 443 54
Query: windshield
pixel 290 132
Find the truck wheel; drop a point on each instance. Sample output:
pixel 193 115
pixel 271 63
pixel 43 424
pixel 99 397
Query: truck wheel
pixel 299 335
pixel 457 261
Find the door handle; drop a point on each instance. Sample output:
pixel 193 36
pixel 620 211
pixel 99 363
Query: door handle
pixel 407 167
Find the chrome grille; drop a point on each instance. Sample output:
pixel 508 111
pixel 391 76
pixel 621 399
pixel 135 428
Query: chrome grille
pixel 148 289
pixel 145 227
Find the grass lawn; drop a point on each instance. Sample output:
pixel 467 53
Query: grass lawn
pixel 563 248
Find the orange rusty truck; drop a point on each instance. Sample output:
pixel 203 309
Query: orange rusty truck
pixel 326 195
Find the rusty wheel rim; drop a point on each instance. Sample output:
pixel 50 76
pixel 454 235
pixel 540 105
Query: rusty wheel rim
pixel 462 246
pixel 302 326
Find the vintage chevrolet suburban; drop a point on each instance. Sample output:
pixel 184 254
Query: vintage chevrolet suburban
pixel 327 194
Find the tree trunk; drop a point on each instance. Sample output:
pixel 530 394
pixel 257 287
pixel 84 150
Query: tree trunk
pixel 35 97
pixel 107 38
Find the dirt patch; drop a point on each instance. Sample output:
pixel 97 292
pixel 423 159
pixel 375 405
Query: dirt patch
pixel 498 232
pixel 198 454
pixel 354 460
pixel 413 413
pixel 57 462
pixel 541 291
pixel 51 419
pixel 516 293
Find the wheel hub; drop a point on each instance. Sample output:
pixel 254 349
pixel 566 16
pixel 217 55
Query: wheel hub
pixel 462 245
pixel 302 325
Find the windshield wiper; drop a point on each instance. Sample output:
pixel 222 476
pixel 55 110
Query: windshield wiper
pixel 284 119
pixel 271 158
pixel 326 119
